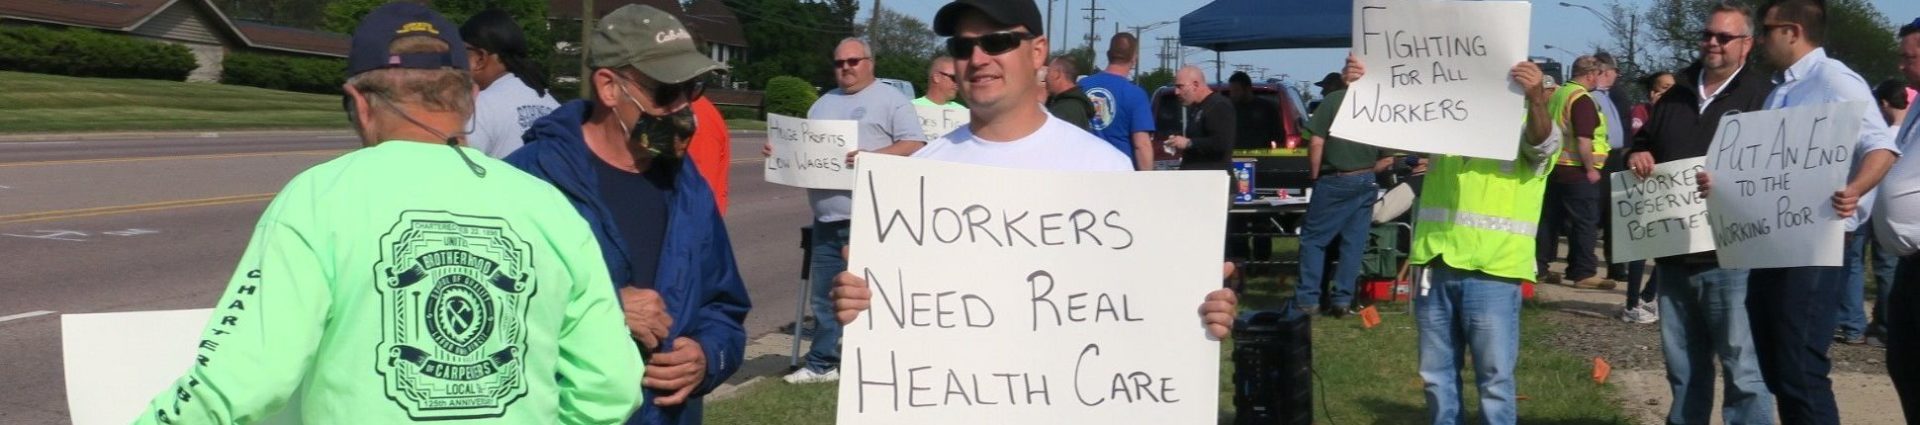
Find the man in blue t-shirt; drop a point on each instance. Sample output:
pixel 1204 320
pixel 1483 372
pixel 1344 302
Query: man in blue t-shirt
pixel 1122 114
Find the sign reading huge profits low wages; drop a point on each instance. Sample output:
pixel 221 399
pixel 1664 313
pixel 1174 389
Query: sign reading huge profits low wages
pixel 1437 77
pixel 1774 174
pixel 811 153
pixel 1661 215
pixel 1032 297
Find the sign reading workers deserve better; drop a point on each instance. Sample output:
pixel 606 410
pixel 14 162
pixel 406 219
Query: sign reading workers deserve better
pixel 1661 215
pixel 1032 297
pixel 936 121
pixel 1437 77
pixel 1774 174
pixel 811 153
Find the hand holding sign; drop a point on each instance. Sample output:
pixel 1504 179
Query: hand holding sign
pixel 812 154
pixel 1661 214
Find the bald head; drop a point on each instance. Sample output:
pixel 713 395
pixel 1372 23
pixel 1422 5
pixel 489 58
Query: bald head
pixel 1191 85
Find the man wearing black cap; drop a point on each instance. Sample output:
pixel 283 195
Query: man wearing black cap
pixel 619 156
pixel 999 47
pixel 1344 190
pixel 413 280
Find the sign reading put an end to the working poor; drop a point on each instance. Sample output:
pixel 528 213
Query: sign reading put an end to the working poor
pixel 1774 173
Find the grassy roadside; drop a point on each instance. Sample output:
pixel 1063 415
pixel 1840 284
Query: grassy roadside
pixel 739 124
pixel 1365 376
pixel 41 103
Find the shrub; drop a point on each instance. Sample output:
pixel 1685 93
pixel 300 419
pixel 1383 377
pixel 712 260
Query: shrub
pixel 281 72
pixel 789 96
pixel 87 53
pixel 733 112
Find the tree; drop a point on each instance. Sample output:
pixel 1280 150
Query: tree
pixel 1155 80
pixel 790 37
pixel 343 15
pixel 1082 59
pixel 1629 40
pixel 912 69
pixel 1857 34
pixel 896 34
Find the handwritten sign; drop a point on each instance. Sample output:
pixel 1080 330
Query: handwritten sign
pixel 811 153
pixel 1053 298
pixel 1437 77
pixel 1661 215
pixel 118 362
pixel 937 121
pixel 1774 173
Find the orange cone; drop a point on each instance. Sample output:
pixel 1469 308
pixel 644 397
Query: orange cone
pixel 1369 317
pixel 1600 370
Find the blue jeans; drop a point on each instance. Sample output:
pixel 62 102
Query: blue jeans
pixel 1853 297
pixel 1464 312
pixel 828 239
pixel 1704 311
pixel 1342 206
pixel 1792 311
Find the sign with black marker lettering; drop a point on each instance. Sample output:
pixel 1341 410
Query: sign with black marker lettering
pixel 811 153
pixel 1437 77
pixel 1774 174
pixel 1661 215
pixel 936 121
pixel 1032 297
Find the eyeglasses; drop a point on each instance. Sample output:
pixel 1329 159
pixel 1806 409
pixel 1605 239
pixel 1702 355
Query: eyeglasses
pixel 950 76
pixel 664 94
pixel 1720 37
pixel 848 62
pixel 994 44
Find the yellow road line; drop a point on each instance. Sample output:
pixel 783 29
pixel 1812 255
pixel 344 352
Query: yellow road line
pixel 124 209
pixel 174 157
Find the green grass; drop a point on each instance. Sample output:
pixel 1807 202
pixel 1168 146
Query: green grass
pixel 1366 376
pixel 738 124
pixel 34 103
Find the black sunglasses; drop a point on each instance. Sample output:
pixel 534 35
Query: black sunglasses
pixel 1720 37
pixel 664 94
pixel 847 63
pixel 993 43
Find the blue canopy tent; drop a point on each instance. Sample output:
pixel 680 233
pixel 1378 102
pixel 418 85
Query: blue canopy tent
pixel 1234 25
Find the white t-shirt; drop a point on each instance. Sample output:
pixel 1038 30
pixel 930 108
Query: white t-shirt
pixel 1057 146
pixel 503 112
pixel 1896 215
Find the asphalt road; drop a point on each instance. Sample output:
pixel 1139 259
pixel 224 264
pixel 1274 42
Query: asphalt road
pixel 134 225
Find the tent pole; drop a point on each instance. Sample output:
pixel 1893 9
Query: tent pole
pixel 1218 62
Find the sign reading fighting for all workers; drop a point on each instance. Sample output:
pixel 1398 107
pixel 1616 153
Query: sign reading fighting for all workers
pixel 1437 77
pixel 1661 215
pixel 937 121
pixel 811 153
pixel 1032 297
pixel 1774 174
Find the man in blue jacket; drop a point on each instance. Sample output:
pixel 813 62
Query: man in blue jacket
pixel 618 158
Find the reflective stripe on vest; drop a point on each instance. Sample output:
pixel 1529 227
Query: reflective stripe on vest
pixel 1479 221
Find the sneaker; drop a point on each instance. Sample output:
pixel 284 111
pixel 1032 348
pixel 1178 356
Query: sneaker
pixel 1850 339
pixel 1652 314
pixel 1639 315
pixel 808 376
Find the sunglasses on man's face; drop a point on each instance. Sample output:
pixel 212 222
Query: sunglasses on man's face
pixel 994 44
pixel 1720 37
pixel 665 94
pixel 847 63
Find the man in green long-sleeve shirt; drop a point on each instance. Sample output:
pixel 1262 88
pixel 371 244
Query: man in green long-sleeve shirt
pixel 413 281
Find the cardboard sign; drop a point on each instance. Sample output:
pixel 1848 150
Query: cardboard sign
pixel 118 362
pixel 1774 173
pixel 1437 77
pixel 1661 215
pixel 1032 297
pixel 811 153
pixel 937 121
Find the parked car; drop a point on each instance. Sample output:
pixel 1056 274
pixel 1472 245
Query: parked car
pixel 1285 167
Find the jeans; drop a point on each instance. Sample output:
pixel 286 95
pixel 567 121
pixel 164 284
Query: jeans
pixel 1465 312
pixel 1342 206
pixel 1577 207
pixel 1705 309
pixel 1853 298
pixel 1903 335
pixel 1793 312
pixel 828 239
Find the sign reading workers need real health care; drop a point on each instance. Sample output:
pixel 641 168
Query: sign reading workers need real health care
pixel 1661 215
pixel 1437 77
pixel 811 153
pixel 1032 297
pixel 1774 174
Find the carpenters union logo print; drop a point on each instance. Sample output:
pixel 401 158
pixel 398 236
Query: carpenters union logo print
pixel 455 291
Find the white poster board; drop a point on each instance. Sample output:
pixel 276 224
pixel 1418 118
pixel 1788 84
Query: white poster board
pixel 1661 215
pixel 117 362
pixel 1437 77
pixel 1774 173
pixel 936 121
pixel 1032 297
pixel 811 153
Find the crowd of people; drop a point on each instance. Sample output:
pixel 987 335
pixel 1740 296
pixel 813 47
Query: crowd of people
pixel 577 263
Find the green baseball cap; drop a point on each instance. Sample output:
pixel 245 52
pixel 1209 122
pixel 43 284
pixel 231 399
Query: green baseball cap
pixel 651 41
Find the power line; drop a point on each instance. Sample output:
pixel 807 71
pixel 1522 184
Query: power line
pixel 1093 28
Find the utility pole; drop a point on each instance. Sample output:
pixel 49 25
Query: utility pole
pixel 1049 32
pixel 586 33
pixel 875 20
pixel 1066 21
pixel 1093 31
pixel 1167 46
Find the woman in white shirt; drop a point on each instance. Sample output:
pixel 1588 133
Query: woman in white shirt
pixel 513 90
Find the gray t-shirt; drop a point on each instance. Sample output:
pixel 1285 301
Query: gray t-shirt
pixel 884 115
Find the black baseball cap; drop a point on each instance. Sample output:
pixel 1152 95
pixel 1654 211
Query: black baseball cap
pixel 377 30
pixel 1022 13
pixel 1332 79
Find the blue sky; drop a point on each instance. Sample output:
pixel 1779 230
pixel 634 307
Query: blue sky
pixel 1571 28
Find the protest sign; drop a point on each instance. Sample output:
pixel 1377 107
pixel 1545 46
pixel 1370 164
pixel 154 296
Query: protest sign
pixel 118 362
pixel 811 153
pixel 1032 297
pixel 1774 174
pixel 1437 77
pixel 1661 215
pixel 936 121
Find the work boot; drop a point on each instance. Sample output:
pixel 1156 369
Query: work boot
pixel 1595 283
